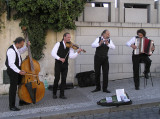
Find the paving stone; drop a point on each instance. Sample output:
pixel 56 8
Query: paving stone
pixel 116 114
pixel 68 118
pixel 81 117
pixel 75 117
pixel 100 116
pixel 81 99
pixel 89 117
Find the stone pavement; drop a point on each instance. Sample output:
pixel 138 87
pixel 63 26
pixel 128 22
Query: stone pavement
pixel 141 113
pixel 81 104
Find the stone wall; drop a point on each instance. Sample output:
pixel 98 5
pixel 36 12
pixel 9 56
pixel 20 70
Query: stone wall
pixel 89 14
pixel 127 9
pixel 121 58
pixel 135 15
pixel 11 32
pixel 122 22
pixel 150 6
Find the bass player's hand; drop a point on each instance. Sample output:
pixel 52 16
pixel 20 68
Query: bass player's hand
pixel 22 72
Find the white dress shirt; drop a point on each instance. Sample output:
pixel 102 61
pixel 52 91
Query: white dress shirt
pixel 131 41
pixel 12 57
pixel 56 47
pixel 95 44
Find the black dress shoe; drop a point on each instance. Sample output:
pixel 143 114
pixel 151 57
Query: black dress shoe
pixel 137 88
pixel 107 91
pixel 54 96
pixel 95 90
pixel 146 76
pixel 62 97
pixel 14 109
pixel 22 103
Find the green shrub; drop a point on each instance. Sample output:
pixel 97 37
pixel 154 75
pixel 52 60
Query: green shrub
pixel 2 10
pixel 40 15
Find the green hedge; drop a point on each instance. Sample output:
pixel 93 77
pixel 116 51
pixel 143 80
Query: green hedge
pixel 40 15
pixel 2 10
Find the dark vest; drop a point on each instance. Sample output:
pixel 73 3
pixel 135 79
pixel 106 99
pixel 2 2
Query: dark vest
pixel 62 52
pixel 16 61
pixel 102 51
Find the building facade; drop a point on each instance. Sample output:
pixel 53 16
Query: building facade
pixel 122 18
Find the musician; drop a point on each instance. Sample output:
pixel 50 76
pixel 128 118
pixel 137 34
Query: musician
pixel 13 63
pixel 136 59
pixel 61 53
pixel 102 45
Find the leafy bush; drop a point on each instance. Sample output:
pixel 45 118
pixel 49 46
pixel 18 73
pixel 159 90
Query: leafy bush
pixel 2 10
pixel 40 15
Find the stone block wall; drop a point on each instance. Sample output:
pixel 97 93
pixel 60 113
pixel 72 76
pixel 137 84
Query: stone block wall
pixel 89 14
pixel 136 15
pixel 122 26
pixel 11 32
pixel 150 6
pixel 132 11
pixel 121 58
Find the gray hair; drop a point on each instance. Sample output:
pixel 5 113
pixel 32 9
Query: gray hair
pixel 64 35
pixel 104 32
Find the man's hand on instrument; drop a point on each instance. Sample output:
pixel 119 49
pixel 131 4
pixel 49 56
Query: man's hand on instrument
pixel 106 42
pixel 133 46
pixel 22 72
pixel 153 48
pixel 80 50
pixel 62 60
pixel 28 43
pixel 100 43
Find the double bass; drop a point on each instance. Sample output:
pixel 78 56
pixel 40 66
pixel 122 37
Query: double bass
pixel 31 89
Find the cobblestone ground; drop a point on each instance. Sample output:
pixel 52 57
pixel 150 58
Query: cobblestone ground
pixel 82 99
pixel 143 113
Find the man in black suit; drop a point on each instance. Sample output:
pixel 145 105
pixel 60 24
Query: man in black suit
pixel 13 64
pixel 102 45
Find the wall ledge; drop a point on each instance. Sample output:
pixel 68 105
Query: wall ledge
pixel 112 24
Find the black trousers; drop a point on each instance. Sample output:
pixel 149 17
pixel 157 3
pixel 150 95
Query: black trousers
pixel 98 63
pixel 15 79
pixel 137 59
pixel 60 70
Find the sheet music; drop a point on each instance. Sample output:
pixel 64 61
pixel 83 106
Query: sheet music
pixel 120 93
